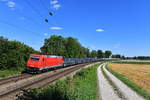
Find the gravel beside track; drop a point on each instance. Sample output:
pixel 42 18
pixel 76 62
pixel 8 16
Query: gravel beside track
pixel 14 79
pixel 106 89
pixel 10 94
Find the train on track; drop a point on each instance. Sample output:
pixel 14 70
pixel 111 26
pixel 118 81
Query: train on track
pixel 40 63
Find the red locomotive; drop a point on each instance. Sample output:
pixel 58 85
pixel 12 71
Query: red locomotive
pixel 38 63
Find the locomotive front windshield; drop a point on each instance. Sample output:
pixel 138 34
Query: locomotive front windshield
pixel 34 58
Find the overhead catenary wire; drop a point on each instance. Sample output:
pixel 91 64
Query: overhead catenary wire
pixel 36 10
pixel 21 28
pixel 18 27
pixel 51 13
pixel 28 18
pixel 44 6
pixel 47 9
pixel 19 13
pixel 36 23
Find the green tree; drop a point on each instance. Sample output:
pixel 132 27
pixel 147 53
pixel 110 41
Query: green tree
pixel 14 54
pixel 99 54
pixel 108 54
pixel 113 56
pixel 55 45
pixel 87 52
pixel 73 47
pixel 122 57
pixel 66 47
pixel 116 56
pixel 134 57
pixel 93 54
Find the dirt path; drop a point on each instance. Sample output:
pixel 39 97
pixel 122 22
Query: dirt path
pixel 112 90
pixel 106 90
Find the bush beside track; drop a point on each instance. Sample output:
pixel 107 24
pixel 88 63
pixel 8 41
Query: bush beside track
pixel 13 56
pixel 6 73
pixel 129 83
pixel 82 86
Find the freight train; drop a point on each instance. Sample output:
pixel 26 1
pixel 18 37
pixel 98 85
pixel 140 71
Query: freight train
pixel 40 63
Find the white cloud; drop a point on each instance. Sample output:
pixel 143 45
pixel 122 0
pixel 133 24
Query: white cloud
pixel 11 4
pixel 56 28
pixel 46 34
pixel 53 2
pixel 116 46
pixel 99 30
pixel 56 6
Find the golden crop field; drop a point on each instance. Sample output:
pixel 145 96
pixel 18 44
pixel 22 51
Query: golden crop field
pixel 139 74
pixel 135 60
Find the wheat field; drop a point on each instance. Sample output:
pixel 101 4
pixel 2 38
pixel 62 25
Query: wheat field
pixel 139 74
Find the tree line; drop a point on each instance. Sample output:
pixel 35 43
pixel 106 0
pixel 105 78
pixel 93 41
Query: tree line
pixel 142 57
pixel 14 54
pixel 70 48
pixel 137 58
pixel 118 56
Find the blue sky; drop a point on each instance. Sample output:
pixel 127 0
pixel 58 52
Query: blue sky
pixel 122 26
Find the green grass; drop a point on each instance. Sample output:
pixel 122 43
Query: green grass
pixel 129 83
pixel 10 72
pixel 126 62
pixel 83 86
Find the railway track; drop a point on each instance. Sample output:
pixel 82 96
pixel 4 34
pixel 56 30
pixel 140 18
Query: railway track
pixel 44 81
pixel 14 78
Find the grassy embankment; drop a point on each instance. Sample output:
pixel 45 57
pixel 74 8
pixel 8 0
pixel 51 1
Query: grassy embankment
pixel 10 72
pixel 83 86
pixel 131 84
pixel 130 62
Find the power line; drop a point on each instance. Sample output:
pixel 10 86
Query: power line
pixel 29 19
pixel 46 8
pixel 21 28
pixel 36 10
pixel 44 5
pixel 18 27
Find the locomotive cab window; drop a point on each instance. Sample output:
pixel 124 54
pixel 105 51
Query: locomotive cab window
pixel 34 58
